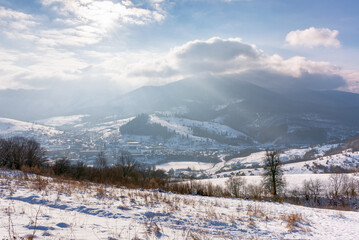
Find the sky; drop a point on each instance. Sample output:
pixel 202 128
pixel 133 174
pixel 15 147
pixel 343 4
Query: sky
pixel 122 45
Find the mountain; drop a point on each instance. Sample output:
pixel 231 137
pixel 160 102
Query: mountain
pixel 288 115
pixel 281 113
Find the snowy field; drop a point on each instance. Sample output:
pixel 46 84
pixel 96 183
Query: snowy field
pixel 48 209
pixel 251 165
pixel 185 165
pixel 11 127
pixel 183 127
pixel 62 120
pixel 256 158
pixel 293 181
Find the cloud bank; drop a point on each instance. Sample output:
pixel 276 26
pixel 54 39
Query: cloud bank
pixel 77 22
pixel 217 56
pixel 66 45
pixel 55 45
pixel 313 37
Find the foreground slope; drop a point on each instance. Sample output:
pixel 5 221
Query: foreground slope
pixel 52 209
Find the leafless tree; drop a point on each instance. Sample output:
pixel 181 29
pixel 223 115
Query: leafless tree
pixel 312 189
pixel 62 166
pixel 127 163
pixel 341 185
pixel 235 186
pixel 273 179
pixel 16 152
pixel 101 160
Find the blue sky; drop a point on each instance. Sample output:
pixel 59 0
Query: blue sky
pixel 128 44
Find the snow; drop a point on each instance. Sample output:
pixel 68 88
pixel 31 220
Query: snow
pixel 185 165
pixel 108 128
pixel 293 181
pixel 256 158
pixel 253 159
pixel 62 120
pixel 218 166
pixel 252 163
pixel 11 127
pixel 55 209
pixel 182 126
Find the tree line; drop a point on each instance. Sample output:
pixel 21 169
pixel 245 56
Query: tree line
pixel 141 126
pixel 19 153
pixel 340 192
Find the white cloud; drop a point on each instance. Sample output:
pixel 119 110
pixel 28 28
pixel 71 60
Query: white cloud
pixel 232 56
pixel 87 22
pixel 15 20
pixel 24 68
pixel 223 56
pixel 77 22
pixel 38 44
pixel 313 37
pixel 297 66
pixel 214 55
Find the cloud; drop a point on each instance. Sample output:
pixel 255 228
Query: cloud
pixel 104 14
pixel 313 37
pixel 215 55
pixel 57 48
pixel 77 22
pixel 25 69
pixel 54 42
pixel 219 56
pixel 87 22
pixel 16 20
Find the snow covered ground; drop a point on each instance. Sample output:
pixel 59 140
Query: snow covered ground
pixel 62 120
pixel 251 165
pixel 109 128
pixel 11 127
pixel 256 158
pixel 185 165
pixel 52 209
pixel 183 126
pixel 293 181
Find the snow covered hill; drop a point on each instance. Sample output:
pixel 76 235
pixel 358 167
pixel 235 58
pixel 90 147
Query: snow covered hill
pixel 45 208
pixel 183 125
pixel 62 120
pixel 78 136
pixel 11 127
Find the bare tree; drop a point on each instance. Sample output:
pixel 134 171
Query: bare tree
pixel 16 152
pixel 101 160
pixel 312 189
pixel 35 155
pixel 62 166
pixel 273 179
pixel 235 186
pixel 126 163
pixel 340 185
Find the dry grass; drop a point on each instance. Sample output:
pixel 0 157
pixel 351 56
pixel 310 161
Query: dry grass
pixel 167 205
pixel 152 228
pixel 294 221
pixel 256 210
